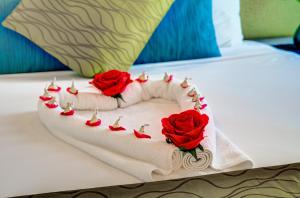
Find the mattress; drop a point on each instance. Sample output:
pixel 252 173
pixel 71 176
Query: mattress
pixel 254 92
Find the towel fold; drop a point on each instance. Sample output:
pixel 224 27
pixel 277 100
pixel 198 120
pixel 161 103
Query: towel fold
pixel 143 158
pixel 204 160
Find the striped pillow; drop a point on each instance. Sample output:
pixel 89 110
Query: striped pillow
pixel 89 36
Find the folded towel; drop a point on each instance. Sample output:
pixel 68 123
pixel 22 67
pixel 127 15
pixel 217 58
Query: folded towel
pixel 146 159
pixel 88 98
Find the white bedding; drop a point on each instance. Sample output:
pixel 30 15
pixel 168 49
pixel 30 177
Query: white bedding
pixel 254 92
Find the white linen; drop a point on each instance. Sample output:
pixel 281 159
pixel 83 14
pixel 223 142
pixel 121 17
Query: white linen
pixel 227 22
pixel 147 157
pixel 253 92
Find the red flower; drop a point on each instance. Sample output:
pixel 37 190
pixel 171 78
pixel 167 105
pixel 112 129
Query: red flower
pixel 112 83
pixel 185 130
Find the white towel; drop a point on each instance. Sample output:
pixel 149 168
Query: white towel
pixel 88 98
pixel 146 159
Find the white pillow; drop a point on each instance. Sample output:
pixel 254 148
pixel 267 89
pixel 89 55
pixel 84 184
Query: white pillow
pixel 227 22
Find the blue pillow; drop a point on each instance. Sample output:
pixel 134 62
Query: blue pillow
pixel 186 32
pixel 18 54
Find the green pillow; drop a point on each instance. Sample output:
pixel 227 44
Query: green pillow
pixel 89 36
pixel 269 18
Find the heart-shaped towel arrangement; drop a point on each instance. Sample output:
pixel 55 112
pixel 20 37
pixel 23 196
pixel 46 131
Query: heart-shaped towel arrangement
pixel 146 158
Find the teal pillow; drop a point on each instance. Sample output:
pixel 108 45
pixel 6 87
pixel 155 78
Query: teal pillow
pixel 18 54
pixel 186 32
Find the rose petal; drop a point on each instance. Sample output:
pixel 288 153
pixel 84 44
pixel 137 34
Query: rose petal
pixel 141 135
pixel 43 98
pixel 54 90
pixel 93 124
pixel 69 113
pixel 69 90
pixel 51 106
pixel 116 129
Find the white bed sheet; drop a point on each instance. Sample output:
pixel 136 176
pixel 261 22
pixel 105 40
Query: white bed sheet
pixel 254 92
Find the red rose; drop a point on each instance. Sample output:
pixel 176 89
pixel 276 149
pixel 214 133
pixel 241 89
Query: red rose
pixel 112 83
pixel 185 130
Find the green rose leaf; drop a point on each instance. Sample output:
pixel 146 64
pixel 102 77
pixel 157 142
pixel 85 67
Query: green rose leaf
pixel 201 147
pixel 193 153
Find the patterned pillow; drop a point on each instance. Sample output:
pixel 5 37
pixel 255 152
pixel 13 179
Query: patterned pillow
pixel 17 53
pixel 89 36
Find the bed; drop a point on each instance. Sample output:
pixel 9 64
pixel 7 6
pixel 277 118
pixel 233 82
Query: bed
pixel 253 91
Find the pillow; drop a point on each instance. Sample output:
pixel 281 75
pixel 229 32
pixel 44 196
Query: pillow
pixel 186 32
pixel 89 36
pixel 270 18
pixel 18 54
pixel 227 22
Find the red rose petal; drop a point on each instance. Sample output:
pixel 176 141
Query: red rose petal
pixel 201 99
pixel 185 129
pixel 112 82
pixel 69 90
pixel 116 129
pixel 203 106
pixel 141 81
pixel 69 113
pixel 93 124
pixel 51 106
pixel 43 98
pixel 170 79
pixel 141 135
pixel 54 90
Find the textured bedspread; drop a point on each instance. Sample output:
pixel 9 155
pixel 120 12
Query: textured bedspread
pixel 279 181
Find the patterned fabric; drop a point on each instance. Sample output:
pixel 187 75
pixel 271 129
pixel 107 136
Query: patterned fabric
pixel 89 36
pixel 269 18
pixel 18 54
pixel 186 32
pixel 281 181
